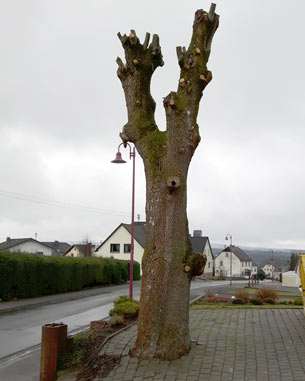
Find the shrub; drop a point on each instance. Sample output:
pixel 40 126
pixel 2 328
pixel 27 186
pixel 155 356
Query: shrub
pixel 127 310
pixel 298 302
pixel 29 275
pixel 266 292
pixel 238 301
pixel 209 293
pixel 261 275
pixel 243 295
pixel 269 301
pixel 122 299
pixel 116 320
pixel 256 301
pixel 210 299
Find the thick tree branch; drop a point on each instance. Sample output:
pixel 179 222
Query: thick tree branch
pixel 194 75
pixel 135 75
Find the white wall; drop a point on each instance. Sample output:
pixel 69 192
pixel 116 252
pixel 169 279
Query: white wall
pixel 121 236
pixel 224 257
pixel 31 247
pixel 209 265
pixel 289 279
pixel 74 252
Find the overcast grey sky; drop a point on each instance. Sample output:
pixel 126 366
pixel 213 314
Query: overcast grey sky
pixel 62 108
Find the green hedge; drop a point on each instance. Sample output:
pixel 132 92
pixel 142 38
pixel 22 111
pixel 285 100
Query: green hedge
pixel 29 275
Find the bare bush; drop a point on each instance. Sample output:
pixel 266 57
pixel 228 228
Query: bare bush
pixel 266 293
pixel 209 293
pixel 243 295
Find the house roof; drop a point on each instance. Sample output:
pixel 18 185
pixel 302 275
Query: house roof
pixel 198 244
pixel 62 247
pixel 241 255
pixel 139 231
pixel 11 242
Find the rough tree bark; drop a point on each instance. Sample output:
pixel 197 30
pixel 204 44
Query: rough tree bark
pixel 168 261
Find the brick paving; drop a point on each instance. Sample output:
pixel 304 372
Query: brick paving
pixel 227 345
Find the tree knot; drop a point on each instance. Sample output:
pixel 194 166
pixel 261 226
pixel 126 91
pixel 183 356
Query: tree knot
pixel 173 183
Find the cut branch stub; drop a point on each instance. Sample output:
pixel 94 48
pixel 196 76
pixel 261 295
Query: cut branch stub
pixel 180 56
pixel 133 38
pixel 212 12
pixel 146 41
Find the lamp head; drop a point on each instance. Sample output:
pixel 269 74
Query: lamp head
pixel 118 159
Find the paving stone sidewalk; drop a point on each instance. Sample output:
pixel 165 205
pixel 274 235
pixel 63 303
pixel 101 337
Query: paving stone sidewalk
pixel 235 345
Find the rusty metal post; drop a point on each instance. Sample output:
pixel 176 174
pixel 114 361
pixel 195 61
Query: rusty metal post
pixel 62 339
pixel 53 343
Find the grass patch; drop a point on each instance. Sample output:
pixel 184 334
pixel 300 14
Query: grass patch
pixel 253 291
pixel 216 306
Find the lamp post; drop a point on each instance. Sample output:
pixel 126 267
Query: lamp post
pixel 229 237
pixel 272 266
pixel 118 160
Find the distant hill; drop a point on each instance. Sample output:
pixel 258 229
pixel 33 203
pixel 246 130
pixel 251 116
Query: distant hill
pixel 262 256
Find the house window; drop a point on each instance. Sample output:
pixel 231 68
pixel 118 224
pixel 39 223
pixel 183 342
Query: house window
pixel 114 247
pixel 227 254
pixel 127 247
pixel 209 265
pixel 72 255
pixel 221 263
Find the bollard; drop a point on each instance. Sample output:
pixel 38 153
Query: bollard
pixel 53 344
pixel 62 339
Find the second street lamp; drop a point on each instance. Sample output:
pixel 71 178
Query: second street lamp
pixel 228 236
pixel 118 160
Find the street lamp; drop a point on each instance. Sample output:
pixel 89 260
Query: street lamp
pixel 272 266
pixel 118 160
pixel 229 237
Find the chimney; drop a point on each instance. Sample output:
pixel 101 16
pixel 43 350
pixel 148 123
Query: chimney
pixel 8 239
pixel 197 233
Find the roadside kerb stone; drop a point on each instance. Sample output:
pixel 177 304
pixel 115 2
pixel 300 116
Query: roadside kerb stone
pixel 227 345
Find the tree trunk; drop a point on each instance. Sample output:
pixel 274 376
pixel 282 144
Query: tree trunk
pixel 168 262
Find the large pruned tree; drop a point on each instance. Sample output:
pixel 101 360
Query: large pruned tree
pixel 168 261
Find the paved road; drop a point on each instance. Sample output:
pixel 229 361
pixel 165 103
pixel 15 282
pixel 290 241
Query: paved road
pixel 20 322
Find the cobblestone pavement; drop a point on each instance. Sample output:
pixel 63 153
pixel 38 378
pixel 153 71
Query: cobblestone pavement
pixel 235 345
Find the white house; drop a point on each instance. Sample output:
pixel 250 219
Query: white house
pixel 241 263
pixel 80 250
pixel 269 270
pixel 32 246
pixel 117 244
pixel 202 245
pixel 25 245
